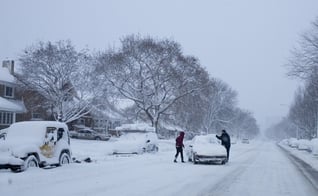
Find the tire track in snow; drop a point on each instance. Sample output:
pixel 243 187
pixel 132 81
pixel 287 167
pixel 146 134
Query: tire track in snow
pixel 232 176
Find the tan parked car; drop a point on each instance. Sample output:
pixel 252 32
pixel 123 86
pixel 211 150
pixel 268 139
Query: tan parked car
pixel 89 134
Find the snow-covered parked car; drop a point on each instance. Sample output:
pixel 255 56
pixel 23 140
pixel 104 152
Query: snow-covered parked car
pixel 245 141
pixel 35 144
pixel 304 144
pixel 89 134
pixel 135 139
pixel 314 146
pixel 206 148
pixel 293 142
pixel 284 142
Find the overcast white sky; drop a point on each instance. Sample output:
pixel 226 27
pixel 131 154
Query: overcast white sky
pixel 243 42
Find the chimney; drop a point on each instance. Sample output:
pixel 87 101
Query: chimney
pixel 9 64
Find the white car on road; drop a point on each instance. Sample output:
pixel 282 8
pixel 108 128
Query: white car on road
pixel 135 139
pixel 136 143
pixel 35 144
pixel 206 148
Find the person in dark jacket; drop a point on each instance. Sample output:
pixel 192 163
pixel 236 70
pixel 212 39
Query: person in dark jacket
pixel 226 142
pixel 179 147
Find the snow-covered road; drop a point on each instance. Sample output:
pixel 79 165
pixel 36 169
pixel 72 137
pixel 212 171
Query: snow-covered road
pixel 258 168
pixel 269 172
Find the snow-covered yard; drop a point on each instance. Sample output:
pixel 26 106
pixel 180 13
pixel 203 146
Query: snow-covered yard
pixel 258 168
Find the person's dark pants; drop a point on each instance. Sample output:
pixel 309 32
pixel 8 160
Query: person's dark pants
pixel 179 150
pixel 227 152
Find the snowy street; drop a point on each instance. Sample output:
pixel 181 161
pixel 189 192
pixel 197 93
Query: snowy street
pixel 101 98
pixel 258 168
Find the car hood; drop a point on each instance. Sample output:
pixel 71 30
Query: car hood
pixel 209 149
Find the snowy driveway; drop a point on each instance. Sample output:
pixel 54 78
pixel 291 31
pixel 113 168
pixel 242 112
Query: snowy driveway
pixel 256 169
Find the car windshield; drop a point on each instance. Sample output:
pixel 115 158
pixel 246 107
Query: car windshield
pixel 205 139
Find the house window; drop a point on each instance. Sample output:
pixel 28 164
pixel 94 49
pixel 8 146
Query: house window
pixel 6 118
pixel 8 91
pixel 36 116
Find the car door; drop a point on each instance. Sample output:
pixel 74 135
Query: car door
pixel 81 134
pixel 88 134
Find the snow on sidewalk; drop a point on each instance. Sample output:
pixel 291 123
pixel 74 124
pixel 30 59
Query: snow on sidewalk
pixel 305 156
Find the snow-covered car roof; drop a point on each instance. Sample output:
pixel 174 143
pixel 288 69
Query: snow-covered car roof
pixel 30 131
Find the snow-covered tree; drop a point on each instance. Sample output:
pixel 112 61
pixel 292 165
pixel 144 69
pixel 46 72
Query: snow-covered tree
pixel 304 60
pixel 220 104
pixel 154 74
pixel 61 75
pixel 303 65
pixel 244 124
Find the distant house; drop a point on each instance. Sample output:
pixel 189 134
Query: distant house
pixel 103 119
pixel 36 105
pixel 99 121
pixel 10 105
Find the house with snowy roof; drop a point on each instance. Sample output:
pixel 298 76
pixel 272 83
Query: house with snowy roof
pixel 10 105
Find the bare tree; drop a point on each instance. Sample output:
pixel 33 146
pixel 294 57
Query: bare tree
pixel 244 124
pixel 304 111
pixel 281 130
pixel 60 74
pixel 154 74
pixel 304 60
pixel 220 105
pixel 304 65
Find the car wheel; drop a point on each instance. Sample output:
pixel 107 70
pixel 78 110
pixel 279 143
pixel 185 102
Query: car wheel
pixel 16 169
pixel 97 138
pixel 31 161
pixel 64 159
pixel 194 161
